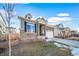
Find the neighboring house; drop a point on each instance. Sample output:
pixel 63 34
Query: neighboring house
pixel 35 29
pixel 66 32
pixel 61 32
pixel 74 33
pixel 2 24
pixel 3 30
pixel 58 30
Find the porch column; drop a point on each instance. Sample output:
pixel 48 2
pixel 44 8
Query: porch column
pixel 45 30
pixel 38 29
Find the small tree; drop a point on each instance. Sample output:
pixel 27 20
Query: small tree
pixel 9 8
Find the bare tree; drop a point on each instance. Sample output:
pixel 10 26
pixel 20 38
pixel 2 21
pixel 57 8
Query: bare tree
pixel 9 8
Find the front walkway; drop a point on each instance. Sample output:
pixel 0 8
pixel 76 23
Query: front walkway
pixel 67 41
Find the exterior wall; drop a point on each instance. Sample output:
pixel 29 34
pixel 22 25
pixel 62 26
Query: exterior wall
pixel 2 25
pixel 26 36
pixel 29 36
pixel 3 30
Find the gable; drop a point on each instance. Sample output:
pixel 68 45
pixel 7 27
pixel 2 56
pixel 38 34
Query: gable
pixel 41 20
pixel 28 16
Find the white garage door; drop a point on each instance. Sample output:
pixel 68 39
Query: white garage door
pixel 49 34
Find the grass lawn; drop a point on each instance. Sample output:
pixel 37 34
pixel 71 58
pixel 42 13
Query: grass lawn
pixel 39 49
pixel 4 52
pixel 74 38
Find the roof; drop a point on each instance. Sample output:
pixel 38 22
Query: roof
pixel 51 26
pixel 39 19
pixel 23 18
pixel 29 14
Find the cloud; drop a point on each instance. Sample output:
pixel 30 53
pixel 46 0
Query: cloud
pixel 59 19
pixel 63 14
pixel 78 29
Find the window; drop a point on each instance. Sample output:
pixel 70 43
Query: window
pixel 29 17
pixel 30 27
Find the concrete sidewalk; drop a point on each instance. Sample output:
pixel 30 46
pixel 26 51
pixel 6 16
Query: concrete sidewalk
pixel 68 42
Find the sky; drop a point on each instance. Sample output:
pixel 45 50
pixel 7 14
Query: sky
pixel 55 13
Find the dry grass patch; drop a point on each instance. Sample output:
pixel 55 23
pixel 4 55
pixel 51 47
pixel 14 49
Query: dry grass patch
pixel 40 49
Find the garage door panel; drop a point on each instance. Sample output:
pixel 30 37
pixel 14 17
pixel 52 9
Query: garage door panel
pixel 49 34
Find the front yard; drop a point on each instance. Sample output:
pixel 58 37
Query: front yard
pixel 39 49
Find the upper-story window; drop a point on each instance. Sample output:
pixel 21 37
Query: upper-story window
pixel 28 16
